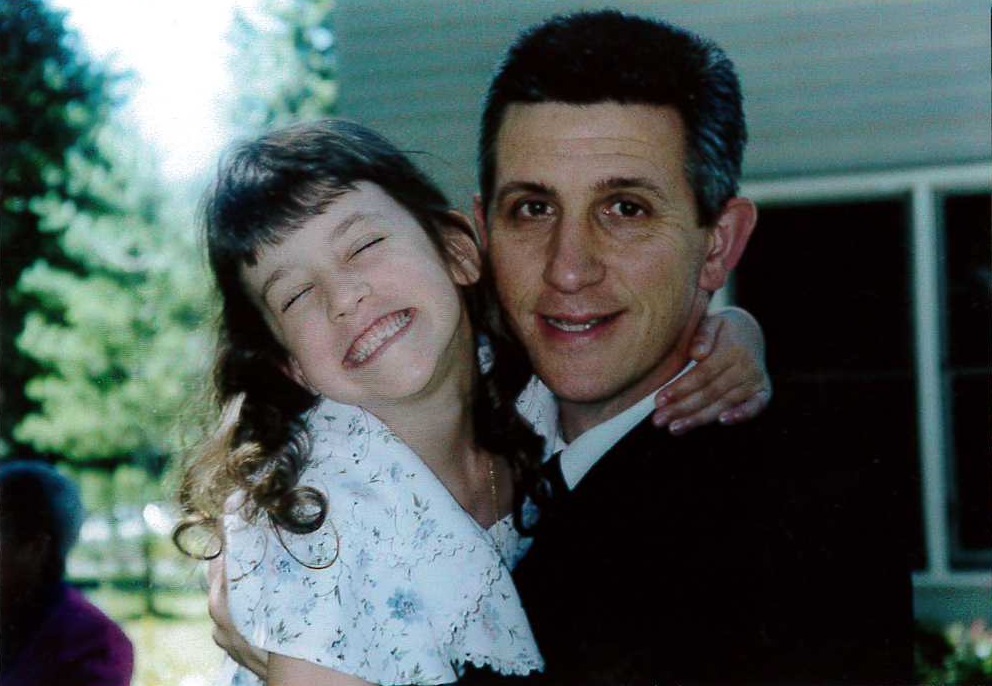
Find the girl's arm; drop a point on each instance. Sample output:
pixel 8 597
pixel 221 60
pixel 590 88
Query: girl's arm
pixel 272 668
pixel 225 634
pixel 730 382
pixel 289 671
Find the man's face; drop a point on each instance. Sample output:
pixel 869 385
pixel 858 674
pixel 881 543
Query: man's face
pixel 598 257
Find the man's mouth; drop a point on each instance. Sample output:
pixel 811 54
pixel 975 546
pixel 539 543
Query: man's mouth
pixel 578 325
pixel 376 336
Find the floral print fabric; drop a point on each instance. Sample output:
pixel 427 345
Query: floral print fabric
pixel 398 586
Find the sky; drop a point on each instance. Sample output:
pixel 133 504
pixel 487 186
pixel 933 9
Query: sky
pixel 178 50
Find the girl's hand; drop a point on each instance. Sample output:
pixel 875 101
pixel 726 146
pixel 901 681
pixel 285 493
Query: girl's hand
pixel 730 382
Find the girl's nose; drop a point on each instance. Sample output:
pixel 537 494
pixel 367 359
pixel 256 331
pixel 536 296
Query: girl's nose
pixel 347 296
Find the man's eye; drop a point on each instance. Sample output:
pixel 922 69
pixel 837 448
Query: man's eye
pixel 626 208
pixel 534 208
pixel 294 298
pixel 368 244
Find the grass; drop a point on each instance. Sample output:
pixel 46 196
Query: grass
pixel 171 650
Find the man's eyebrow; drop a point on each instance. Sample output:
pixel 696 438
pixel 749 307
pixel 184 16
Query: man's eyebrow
pixel 338 230
pixel 514 187
pixel 619 183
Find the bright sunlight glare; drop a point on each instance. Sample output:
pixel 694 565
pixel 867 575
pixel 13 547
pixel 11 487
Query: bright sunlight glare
pixel 178 52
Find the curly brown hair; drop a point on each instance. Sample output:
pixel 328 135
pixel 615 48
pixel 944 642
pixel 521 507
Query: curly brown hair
pixel 266 189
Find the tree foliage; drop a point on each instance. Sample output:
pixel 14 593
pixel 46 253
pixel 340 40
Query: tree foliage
pixel 111 327
pixel 54 99
pixel 104 298
pixel 121 338
pixel 285 60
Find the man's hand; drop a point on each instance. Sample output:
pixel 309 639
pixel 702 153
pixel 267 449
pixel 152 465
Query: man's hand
pixel 730 382
pixel 225 633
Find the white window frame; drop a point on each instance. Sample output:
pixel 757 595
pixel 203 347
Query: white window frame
pixel 923 188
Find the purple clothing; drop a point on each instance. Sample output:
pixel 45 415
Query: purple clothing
pixel 75 644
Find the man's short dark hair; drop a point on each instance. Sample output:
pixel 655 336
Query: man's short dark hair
pixel 608 56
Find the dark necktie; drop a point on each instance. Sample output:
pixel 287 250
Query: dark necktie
pixel 551 471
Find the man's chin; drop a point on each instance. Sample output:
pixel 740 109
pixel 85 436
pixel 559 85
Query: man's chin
pixel 578 386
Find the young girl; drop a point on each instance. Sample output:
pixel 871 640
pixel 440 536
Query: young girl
pixel 367 460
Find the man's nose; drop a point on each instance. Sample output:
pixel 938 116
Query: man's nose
pixel 573 259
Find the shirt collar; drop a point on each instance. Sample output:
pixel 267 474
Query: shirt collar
pixel 579 456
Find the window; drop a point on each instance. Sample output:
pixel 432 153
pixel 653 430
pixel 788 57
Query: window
pixel 830 283
pixel 875 292
pixel 968 368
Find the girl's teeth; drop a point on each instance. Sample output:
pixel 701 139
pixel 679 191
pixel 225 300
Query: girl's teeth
pixel 382 332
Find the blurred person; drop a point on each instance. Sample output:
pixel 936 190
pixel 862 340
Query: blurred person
pixel 51 634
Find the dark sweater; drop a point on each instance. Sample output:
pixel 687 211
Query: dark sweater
pixel 726 556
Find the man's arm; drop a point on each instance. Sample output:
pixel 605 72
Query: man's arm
pixel 730 383
pixel 225 634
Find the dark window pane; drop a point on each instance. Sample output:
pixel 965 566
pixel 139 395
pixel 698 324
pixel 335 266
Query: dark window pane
pixel 968 244
pixel 968 293
pixel 830 284
pixel 973 468
pixel 838 278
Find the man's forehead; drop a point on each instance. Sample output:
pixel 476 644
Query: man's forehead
pixel 625 140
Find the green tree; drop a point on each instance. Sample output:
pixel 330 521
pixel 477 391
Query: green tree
pixel 54 99
pixel 285 59
pixel 120 337
pixel 104 299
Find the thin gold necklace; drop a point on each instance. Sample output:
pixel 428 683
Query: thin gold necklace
pixel 492 486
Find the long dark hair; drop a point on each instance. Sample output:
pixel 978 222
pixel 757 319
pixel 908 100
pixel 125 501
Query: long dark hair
pixel 265 189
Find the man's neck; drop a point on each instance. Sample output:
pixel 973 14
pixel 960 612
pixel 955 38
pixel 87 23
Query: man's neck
pixel 575 418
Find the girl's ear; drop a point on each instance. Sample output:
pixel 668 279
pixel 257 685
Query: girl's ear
pixel 464 259
pixel 292 369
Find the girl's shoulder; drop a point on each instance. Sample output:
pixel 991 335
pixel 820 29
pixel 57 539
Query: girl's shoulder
pixel 405 561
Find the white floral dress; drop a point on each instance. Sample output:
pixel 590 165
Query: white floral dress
pixel 399 585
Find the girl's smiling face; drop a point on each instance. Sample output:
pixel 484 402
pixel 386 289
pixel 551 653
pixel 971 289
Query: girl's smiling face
pixel 368 310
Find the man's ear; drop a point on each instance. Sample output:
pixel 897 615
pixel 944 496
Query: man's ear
pixel 480 221
pixel 464 260
pixel 728 239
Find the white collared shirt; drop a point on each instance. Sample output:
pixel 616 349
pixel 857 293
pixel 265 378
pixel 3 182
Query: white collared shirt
pixel 579 456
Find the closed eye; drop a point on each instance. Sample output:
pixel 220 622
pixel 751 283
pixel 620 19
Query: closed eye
pixel 295 297
pixel 368 244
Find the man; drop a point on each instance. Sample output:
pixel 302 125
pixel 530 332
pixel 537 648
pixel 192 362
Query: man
pixel 610 155
pixel 52 635
pixel 609 161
